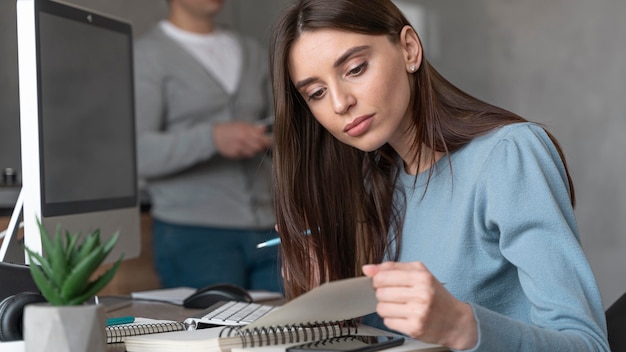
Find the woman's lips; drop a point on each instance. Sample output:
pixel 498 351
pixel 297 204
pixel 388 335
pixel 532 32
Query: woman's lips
pixel 359 126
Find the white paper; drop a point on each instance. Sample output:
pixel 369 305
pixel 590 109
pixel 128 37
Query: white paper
pixel 12 346
pixel 333 301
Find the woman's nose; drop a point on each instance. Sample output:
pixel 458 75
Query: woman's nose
pixel 342 101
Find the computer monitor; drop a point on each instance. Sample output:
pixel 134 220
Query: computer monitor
pixel 77 119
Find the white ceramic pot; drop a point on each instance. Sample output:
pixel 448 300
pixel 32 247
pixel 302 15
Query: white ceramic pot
pixel 64 328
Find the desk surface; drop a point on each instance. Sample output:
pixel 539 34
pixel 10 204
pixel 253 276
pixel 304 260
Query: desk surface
pixel 122 306
pixel 118 306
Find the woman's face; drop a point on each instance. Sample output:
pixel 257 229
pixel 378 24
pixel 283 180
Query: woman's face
pixel 357 86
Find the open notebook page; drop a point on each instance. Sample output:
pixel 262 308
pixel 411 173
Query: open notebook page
pixel 333 301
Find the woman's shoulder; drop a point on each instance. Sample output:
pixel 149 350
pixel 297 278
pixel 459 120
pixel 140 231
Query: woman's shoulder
pixel 520 133
pixel 524 139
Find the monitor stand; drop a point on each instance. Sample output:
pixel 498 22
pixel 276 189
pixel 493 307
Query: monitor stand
pixel 12 250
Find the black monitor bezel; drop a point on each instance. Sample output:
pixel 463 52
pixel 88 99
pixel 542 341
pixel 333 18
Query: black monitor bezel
pixel 93 19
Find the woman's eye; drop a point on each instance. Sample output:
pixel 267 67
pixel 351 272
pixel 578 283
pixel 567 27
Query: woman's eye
pixel 358 70
pixel 317 94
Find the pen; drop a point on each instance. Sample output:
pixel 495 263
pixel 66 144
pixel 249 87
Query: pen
pixel 269 243
pixel 120 320
pixel 275 241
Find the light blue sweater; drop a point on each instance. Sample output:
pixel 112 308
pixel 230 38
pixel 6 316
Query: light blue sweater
pixel 499 230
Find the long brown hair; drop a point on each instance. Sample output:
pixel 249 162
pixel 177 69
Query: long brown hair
pixel 341 197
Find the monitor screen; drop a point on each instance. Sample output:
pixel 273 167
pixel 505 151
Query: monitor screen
pixel 77 120
pixel 86 109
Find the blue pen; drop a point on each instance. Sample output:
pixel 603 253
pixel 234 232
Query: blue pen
pixel 275 241
pixel 120 320
pixel 269 243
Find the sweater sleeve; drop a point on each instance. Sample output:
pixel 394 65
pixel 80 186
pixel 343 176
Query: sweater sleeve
pixel 163 151
pixel 524 203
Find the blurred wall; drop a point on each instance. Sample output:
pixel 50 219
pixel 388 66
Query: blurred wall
pixel 558 62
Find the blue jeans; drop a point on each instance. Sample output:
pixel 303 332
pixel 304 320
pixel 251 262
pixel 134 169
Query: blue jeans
pixel 197 256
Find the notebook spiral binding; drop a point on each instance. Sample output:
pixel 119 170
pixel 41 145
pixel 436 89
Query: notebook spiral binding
pixel 117 333
pixel 295 333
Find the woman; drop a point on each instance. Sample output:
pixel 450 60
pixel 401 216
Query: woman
pixel 468 206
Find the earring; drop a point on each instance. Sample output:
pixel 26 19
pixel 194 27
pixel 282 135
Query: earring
pixel 412 68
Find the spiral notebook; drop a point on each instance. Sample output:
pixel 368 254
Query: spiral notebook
pixel 213 340
pixel 216 340
pixel 326 311
pixel 141 326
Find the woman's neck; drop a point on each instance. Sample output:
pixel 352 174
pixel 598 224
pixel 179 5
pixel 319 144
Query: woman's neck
pixel 414 165
pixel 415 161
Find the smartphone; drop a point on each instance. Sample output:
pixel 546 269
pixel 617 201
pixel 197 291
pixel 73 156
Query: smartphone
pixel 356 343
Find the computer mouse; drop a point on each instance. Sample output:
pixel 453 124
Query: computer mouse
pixel 208 296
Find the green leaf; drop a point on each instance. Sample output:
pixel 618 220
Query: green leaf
pixel 35 258
pixel 57 258
pixel 54 251
pixel 108 246
pixel 47 290
pixel 70 246
pixel 98 284
pixel 46 242
pixel 78 279
pixel 91 242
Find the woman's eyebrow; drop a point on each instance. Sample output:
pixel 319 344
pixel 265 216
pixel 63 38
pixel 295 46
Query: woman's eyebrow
pixel 337 63
pixel 349 53
pixel 305 82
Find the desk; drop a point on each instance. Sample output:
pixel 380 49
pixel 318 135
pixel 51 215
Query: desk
pixel 167 311
pixel 121 306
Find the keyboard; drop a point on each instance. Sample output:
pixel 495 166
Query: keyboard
pixel 228 313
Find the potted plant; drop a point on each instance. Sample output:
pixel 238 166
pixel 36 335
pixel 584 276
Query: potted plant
pixel 64 277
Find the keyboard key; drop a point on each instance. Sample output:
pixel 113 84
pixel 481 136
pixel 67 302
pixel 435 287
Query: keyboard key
pixel 229 313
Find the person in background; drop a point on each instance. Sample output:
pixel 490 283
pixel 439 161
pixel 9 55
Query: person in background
pixel 203 108
pixel 461 212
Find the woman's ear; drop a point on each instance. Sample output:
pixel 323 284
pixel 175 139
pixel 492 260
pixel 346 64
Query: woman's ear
pixel 411 48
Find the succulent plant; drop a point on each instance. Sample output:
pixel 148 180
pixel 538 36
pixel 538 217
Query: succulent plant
pixel 64 275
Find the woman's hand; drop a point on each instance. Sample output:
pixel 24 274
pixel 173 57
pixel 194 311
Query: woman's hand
pixel 412 301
